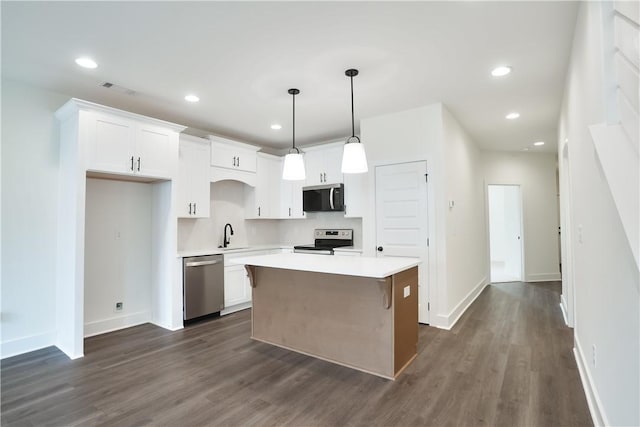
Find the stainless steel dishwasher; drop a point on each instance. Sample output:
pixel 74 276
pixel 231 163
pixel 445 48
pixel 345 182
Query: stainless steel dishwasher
pixel 203 285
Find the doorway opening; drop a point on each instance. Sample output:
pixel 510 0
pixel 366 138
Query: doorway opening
pixel 505 233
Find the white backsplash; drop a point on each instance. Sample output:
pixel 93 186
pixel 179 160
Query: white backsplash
pixel 300 231
pixel 227 206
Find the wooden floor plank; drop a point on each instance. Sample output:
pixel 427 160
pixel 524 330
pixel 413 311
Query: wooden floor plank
pixel 508 361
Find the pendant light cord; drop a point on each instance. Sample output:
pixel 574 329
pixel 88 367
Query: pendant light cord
pixel 353 127
pixel 294 122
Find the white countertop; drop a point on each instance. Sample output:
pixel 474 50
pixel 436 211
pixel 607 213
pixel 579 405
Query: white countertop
pixel 349 266
pixel 232 250
pixel 347 249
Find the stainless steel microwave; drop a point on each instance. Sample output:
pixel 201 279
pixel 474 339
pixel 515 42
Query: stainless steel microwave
pixel 323 198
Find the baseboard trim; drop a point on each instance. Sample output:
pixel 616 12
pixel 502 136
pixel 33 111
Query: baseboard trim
pixel 563 308
pixel 234 308
pixel 115 323
pixel 446 322
pixel 591 393
pixel 543 277
pixel 27 344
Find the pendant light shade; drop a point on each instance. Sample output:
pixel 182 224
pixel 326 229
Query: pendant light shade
pixel 293 169
pixel 354 159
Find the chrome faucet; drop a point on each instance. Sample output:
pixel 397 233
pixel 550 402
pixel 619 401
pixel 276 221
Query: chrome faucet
pixel 226 241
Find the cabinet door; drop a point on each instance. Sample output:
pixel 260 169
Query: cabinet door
pixel 223 155
pixel 192 184
pixel 333 165
pixel 246 160
pixel 200 181
pixel 110 144
pixel 314 167
pixel 236 290
pixel 355 194
pixel 296 200
pixel 156 151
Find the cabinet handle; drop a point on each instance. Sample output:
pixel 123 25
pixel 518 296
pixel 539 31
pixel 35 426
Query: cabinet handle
pixel 131 163
pixel 234 160
pixel 189 208
pixel 320 176
pixel 194 208
pixel 258 210
pixel 289 211
pixel 138 164
pixel 325 176
pixel 238 161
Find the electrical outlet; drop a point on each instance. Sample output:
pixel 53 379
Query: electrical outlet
pixel 593 354
pixel 119 306
pixel 407 291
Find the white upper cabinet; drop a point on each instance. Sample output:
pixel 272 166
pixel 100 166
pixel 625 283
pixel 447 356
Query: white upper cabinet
pixel 193 186
pixel 290 197
pixel 127 144
pixel 234 155
pixel 355 193
pixel 323 164
pixel 263 200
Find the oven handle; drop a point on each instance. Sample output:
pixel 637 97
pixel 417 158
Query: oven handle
pixel 331 198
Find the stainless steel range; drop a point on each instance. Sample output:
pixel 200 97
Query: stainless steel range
pixel 326 240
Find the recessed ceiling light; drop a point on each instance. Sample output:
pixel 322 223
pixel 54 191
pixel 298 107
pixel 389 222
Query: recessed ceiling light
pixel 276 126
pixel 539 143
pixel 86 62
pixel 192 98
pixel 512 116
pixel 500 71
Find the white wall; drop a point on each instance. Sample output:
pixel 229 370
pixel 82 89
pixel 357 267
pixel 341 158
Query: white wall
pixel 29 216
pixel 466 244
pixel 117 255
pixel 409 136
pixel 606 278
pixel 535 173
pixel 296 231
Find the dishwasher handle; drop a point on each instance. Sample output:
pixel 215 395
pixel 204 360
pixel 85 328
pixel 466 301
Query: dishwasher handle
pixel 201 263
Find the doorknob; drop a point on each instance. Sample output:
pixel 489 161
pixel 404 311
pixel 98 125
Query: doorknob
pixel 380 248
pixel 518 237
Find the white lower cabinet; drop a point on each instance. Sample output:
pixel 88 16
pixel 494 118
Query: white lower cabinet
pixel 237 289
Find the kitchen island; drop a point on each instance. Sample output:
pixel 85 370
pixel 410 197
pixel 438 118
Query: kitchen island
pixel 358 312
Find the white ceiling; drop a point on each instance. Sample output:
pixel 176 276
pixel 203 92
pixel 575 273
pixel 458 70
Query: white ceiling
pixel 241 57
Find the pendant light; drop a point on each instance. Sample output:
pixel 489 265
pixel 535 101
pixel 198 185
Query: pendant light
pixel 293 169
pixel 354 159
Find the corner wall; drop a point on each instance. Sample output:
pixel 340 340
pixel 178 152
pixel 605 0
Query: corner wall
pixel 466 236
pixel 535 173
pixel 30 177
pixel 606 278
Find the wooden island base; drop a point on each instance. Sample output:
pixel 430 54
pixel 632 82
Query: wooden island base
pixel 369 324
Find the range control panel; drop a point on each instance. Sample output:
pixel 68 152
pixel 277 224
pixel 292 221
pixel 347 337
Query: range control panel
pixel 340 234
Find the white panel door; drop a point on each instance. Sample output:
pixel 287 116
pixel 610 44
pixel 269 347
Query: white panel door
pixel 401 219
pixel 505 233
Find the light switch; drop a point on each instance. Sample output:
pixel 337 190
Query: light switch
pixel 407 291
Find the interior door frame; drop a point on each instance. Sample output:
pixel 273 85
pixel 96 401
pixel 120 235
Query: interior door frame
pixel 488 227
pixel 427 267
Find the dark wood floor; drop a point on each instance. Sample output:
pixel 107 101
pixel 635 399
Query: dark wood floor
pixel 508 362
